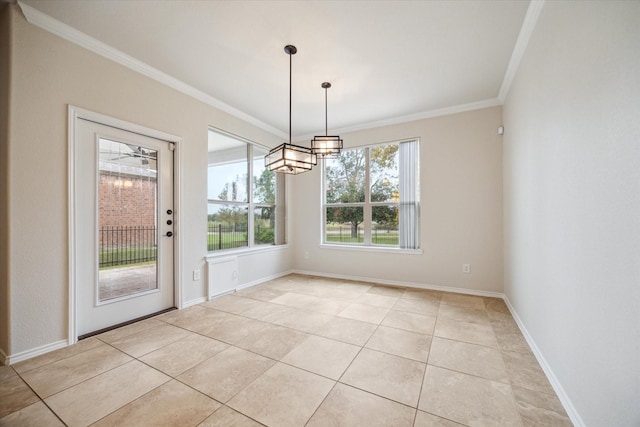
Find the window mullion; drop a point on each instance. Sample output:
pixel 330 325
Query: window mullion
pixel 250 215
pixel 367 198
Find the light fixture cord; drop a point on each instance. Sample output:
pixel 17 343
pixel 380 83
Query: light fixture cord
pixel 326 126
pixel 290 67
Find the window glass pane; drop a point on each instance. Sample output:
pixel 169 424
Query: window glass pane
pixel 227 226
pixel 344 225
pixel 384 228
pixel 264 180
pixel 345 177
pixel 264 225
pixel 384 173
pixel 228 168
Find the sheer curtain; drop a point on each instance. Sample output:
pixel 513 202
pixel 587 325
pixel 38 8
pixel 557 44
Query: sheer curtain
pixel 409 195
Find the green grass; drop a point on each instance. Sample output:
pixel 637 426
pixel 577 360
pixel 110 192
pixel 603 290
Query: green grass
pixel 116 258
pixel 229 241
pixel 380 239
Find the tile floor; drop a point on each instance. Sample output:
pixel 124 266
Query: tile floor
pixel 296 351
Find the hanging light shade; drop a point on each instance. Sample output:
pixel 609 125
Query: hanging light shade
pixel 327 146
pixel 287 157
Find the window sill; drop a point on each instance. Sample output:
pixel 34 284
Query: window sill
pixel 382 249
pixel 245 251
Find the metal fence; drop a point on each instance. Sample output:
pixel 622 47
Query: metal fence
pixel 123 245
pixel 221 237
pixel 380 235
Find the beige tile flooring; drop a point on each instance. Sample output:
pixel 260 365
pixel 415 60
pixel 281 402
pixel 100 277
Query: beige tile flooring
pixel 295 351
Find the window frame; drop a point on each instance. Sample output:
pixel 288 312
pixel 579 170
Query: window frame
pixel 367 206
pixel 251 205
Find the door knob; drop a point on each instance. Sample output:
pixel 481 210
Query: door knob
pixel 169 234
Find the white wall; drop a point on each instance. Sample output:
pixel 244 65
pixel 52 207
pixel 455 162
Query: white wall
pixel 572 203
pixel 461 207
pixel 51 73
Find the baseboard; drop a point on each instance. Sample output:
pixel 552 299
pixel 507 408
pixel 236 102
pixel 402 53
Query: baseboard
pixel 28 354
pixel 402 284
pixel 4 359
pixel 557 387
pixel 193 302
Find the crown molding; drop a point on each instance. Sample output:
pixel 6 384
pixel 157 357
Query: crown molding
pixel 478 105
pixel 528 25
pixel 44 21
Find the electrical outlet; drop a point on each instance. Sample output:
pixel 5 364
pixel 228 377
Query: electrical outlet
pixel 306 254
pixel 466 268
pixel 196 275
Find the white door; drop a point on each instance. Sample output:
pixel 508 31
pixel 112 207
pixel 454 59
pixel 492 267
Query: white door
pixel 124 226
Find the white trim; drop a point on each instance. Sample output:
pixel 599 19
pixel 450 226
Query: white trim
pixel 244 252
pixel 195 301
pixel 529 23
pixel 478 105
pixel 403 284
pixel 371 248
pixel 69 33
pixel 557 387
pixel 75 113
pixel 28 354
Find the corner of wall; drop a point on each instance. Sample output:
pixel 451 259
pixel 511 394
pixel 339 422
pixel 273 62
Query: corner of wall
pixel 6 37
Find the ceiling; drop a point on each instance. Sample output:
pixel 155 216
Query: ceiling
pixel 387 61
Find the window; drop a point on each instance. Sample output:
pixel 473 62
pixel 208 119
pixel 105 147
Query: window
pixel 371 196
pixel 243 196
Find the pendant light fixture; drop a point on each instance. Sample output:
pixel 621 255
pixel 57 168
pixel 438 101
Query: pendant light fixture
pixel 287 157
pixel 327 147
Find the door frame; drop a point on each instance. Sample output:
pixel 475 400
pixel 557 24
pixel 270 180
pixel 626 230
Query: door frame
pixel 74 114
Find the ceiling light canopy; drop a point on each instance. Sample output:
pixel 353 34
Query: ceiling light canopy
pixel 287 157
pixel 327 146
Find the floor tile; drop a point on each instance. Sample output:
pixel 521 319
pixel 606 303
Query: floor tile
pixel 34 415
pixel 148 340
pixel 496 304
pixel 14 393
pixel 312 303
pixel 467 399
pixel 423 294
pixel 463 314
pixel 364 313
pixel 510 338
pixel 428 420
pixel 473 333
pixel 56 355
pixel 225 374
pixel 376 300
pixel 54 377
pixel 390 291
pixel 410 322
pixel 386 375
pixel 302 320
pixel 227 417
pixel 346 406
pixel 260 293
pixel 322 356
pixel 171 404
pixel 470 301
pixel 346 330
pixel 417 306
pixel 410 345
pixel 233 329
pixel 91 400
pixel 120 333
pixel 273 341
pixel 540 409
pixel 282 396
pixel 471 359
pixel 232 304
pixel 524 371
pixel 183 354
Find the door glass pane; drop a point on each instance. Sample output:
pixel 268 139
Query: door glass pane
pixel 344 225
pixel 127 223
pixel 228 226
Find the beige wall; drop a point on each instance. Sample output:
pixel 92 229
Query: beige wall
pixel 572 203
pixel 51 74
pixel 5 67
pixel 461 207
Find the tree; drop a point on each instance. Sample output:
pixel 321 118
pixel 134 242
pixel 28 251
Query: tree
pixel 346 184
